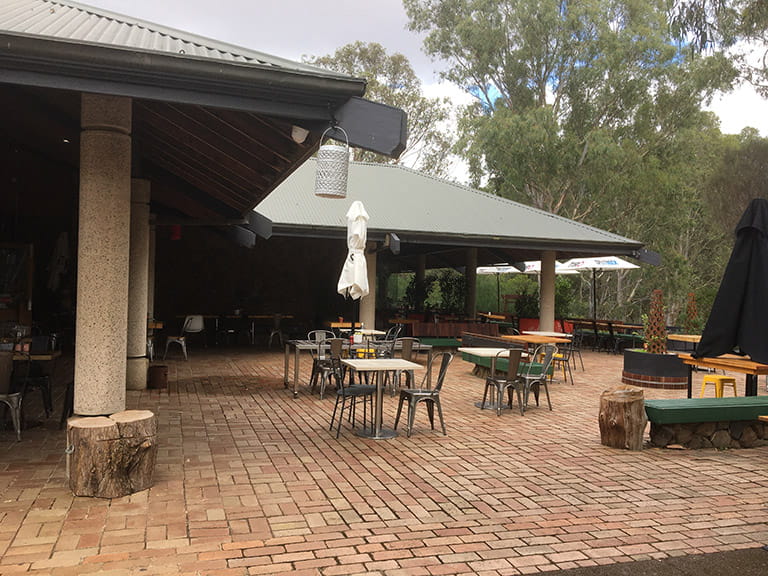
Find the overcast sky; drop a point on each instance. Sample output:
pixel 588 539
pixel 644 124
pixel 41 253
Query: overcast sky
pixel 294 28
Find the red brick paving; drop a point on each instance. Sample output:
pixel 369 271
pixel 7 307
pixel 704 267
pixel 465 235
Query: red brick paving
pixel 250 481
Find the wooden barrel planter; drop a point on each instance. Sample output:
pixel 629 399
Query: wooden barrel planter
pixel 648 370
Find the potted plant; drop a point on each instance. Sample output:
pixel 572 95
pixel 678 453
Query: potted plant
pixel 527 309
pixel 653 366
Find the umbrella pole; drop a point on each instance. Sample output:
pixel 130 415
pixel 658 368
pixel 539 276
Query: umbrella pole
pixel 594 293
pixel 498 294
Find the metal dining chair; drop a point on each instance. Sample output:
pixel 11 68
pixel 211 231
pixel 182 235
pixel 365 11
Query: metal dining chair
pixel 8 397
pixel 508 381
pixel 408 348
pixel 323 362
pixel 352 393
pixel 192 325
pixel 426 395
pixel 536 374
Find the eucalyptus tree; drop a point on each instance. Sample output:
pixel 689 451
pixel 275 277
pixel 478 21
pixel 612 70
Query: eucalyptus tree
pixel 392 80
pixel 737 26
pixel 571 95
pixel 587 109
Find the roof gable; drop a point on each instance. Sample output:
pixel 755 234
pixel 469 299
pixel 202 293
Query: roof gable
pixel 416 205
pixel 76 22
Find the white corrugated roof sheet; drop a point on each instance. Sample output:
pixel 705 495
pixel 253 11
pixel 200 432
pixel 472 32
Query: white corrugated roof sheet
pixel 76 22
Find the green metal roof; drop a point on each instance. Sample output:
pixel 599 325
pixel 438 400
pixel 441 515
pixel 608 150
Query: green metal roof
pixel 422 209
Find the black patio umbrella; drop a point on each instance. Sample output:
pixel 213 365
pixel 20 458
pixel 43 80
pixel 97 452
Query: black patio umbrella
pixel 738 322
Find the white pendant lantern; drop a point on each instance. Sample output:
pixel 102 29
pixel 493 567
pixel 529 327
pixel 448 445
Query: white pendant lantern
pixel 332 168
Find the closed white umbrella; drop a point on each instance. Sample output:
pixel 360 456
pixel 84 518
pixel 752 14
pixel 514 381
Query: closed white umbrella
pixel 353 281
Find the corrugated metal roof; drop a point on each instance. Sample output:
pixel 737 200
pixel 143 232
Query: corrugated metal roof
pixel 72 21
pixel 402 200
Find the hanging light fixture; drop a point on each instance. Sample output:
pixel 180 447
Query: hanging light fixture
pixel 332 168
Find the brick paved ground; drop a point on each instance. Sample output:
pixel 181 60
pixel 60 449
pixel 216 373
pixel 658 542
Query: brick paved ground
pixel 250 481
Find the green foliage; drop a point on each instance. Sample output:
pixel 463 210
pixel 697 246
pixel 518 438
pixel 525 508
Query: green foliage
pixel 592 110
pixel 448 292
pixel 739 27
pixel 527 305
pixel 416 293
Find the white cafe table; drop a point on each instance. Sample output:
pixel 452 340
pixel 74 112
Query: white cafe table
pixel 491 353
pixel 378 366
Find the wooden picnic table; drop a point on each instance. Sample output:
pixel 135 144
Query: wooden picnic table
pixel 490 316
pixel 694 338
pixel 731 362
pixel 535 339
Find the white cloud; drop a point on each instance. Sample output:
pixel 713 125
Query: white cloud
pixel 741 108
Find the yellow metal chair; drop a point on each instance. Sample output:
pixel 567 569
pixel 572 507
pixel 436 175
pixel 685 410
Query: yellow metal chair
pixel 719 383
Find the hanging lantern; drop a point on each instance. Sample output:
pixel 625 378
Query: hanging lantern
pixel 332 168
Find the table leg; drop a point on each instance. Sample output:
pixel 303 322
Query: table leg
pixel 750 388
pixel 287 363
pixel 296 372
pixel 690 380
pixel 377 432
pixel 429 367
pixel 498 404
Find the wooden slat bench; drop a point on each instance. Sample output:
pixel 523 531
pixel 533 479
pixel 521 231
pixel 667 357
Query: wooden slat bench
pixel 708 422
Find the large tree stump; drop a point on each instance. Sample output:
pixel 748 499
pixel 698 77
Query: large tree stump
pixel 622 418
pixel 111 456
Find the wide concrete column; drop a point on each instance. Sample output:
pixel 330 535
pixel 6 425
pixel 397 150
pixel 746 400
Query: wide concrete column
pixel 470 300
pixel 547 292
pixel 368 303
pixel 103 255
pixel 138 287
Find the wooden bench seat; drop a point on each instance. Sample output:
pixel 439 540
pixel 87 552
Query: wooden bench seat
pixel 721 423
pixel 685 410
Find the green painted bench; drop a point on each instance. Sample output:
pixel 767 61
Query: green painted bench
pixel 501 364
pixel 730 422
pixel 690 410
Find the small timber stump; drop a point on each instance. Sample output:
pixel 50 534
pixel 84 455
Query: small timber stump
pixel 111 456
pixel 622 418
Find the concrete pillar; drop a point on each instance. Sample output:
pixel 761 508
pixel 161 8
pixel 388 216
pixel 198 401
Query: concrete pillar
pixel 368 303
pixel 470 300
pixel 138 285
pixel 547 292
pixel 103 255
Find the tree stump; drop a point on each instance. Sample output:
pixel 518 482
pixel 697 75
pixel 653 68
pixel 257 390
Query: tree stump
pixel 622 418
pixel 111 456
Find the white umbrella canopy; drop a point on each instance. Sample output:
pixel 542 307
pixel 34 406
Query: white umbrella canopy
pixel 595 264
pixel 531 267
pixel 534 267
pixel 353 281
pixel 499 269
pixel 599 263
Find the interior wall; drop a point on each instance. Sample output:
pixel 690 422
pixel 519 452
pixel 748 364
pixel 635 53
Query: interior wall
pixel 203 272
pixel 38 206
